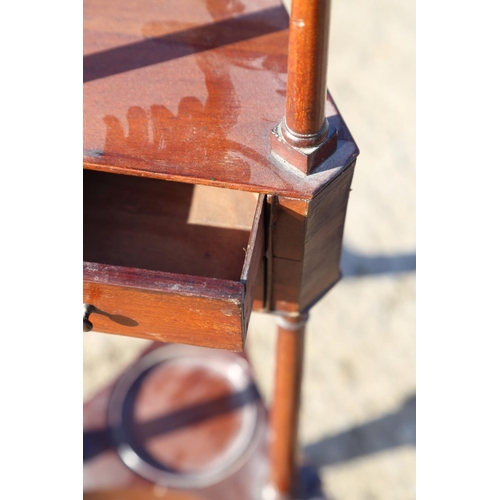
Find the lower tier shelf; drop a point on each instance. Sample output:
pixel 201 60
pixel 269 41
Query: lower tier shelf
pixel 181 423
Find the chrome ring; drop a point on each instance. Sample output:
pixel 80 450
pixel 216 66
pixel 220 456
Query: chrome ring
pixel 236 370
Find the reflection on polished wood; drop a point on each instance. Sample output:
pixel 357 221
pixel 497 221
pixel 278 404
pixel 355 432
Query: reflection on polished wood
pixel 286 402
pixel 182 99
pixel 306 90
pixel 190 91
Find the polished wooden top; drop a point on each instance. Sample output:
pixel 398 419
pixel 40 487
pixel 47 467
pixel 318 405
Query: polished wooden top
pixel 190 90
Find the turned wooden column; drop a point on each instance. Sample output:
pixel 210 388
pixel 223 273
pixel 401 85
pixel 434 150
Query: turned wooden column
pixel 303 138
pixel 305 124
pixel 285 410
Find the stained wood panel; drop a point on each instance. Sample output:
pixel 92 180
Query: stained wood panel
pixel 165 307
pixel 171 262
pixel 323 242
pixel 306 240
pixel 165 226
pixel 189 91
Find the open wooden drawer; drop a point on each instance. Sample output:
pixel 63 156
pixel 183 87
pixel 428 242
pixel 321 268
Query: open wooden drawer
pixel 171 261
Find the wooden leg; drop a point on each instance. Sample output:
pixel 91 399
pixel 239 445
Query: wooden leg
pixel 285 411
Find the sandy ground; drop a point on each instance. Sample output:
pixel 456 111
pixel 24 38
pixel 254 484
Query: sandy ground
pixel 358 414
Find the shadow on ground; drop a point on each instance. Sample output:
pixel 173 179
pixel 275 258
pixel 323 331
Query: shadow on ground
pixel 390 431
pixel 355 264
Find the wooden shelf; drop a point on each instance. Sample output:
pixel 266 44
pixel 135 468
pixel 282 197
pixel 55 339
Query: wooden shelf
pixel 189 91
pixel 181 99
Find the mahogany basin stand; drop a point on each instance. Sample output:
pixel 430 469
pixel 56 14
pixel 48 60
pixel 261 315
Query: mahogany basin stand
pixel 217 171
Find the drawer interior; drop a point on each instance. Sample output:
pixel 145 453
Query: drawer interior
pixel 166 226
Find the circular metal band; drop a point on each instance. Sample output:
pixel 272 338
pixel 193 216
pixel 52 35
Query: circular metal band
pixel 283 322
pixel 235 369
pixel 304 140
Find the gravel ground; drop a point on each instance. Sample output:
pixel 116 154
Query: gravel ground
pixel 358 415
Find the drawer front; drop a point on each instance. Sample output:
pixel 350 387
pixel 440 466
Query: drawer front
pixel 164 307
pixel 180 308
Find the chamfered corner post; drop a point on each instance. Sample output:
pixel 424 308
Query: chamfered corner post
pixel 286 403
pixel 304 138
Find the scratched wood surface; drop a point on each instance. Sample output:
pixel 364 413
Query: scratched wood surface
pixel 190 90
pixel 306 244
pixel 165 307
pixel 170 261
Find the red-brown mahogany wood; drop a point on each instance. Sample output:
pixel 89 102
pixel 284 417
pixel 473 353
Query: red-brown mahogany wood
pixel 139 494
pixel 106 477
pixel 307 63
pixel 158 266
pixel 189 91
pixel 285 411
pixel 306 245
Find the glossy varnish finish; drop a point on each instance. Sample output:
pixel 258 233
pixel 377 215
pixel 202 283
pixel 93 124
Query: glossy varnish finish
pixel 286 403
pixel 306 90
pixel 169 261
pixel 164 306
pixel 305 139
pixel 190 91
pixel 306 245
pixel 181 95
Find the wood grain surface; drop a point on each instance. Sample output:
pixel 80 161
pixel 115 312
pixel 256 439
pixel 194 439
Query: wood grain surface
pixel 323 239
pixel 168 261
pixel 165 226
pixel 286 404
pixel 306 244
pixel 190 91
pixel 165 307
pixel 306 89
pixel 252 275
